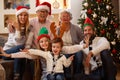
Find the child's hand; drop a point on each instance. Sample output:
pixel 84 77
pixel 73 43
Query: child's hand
pixel 71 57
pixel 24 50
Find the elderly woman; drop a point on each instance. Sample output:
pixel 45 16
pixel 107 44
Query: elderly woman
pixel 71 34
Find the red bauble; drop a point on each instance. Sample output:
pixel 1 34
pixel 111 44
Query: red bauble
pixel 114 51
pixel 102 31
pixel 89 11
pixel 99 1
pixel 115 25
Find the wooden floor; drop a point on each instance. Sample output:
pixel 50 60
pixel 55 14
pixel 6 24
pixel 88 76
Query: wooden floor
pixel 118 72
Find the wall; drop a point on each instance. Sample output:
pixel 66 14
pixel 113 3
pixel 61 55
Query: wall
pixel 75 10
pixel 119 11
pixel 116 8
pixel 76 6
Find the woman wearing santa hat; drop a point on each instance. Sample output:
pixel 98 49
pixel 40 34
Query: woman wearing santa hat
pixel 17 36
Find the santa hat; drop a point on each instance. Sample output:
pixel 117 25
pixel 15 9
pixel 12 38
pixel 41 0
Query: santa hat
pixel 44 5
pixel 43 33
pixel 88 22
pixel 21 9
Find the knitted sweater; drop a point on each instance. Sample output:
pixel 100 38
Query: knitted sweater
pixel 98 44
pixel 14 39
pixel 49 59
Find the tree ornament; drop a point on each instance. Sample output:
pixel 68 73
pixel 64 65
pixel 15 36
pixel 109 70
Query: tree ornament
pixel 85 4
pixel 56 4
pixel 92 4
pixel 113 42
pixel 118 33
pixel 111 22
pixel 94 15
pixel 108 7
pixel 89 11
pixel 83 14
pixel 115 25
pixel 99 1
pixel 104 20
pixel 108 14
pixel 114 51
pixel 102 31
pixel 98 8
pixel 94 9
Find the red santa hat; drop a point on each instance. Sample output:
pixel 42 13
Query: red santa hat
pixel 44 5
pixel 21 9
pixel 88 22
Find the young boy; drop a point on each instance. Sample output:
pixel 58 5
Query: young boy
pixel 55 59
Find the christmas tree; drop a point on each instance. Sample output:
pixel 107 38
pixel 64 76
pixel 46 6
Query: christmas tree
pixel 105 21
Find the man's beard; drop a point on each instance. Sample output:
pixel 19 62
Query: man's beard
pixel 91 38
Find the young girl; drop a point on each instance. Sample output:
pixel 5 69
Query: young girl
pixel 44 45
pixel 55 59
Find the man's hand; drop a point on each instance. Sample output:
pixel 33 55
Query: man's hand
pixel 16 26
pixel 86 39
pixel 11 28
pixel 87 61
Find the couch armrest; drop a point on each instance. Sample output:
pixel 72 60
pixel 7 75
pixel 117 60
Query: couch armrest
pixel 8 66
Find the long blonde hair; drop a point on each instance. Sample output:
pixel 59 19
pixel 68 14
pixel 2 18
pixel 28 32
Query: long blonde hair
pixel 26 25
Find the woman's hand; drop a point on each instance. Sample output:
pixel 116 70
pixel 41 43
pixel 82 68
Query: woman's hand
pixel 3 53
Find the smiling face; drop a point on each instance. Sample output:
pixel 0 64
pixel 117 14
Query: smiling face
pixel 44 43
pixel 56 48
pixel 65 17
pixel 42 15
pixel 23 18
pixel 88 30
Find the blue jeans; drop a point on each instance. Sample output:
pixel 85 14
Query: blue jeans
pixel 13 50
pixel 108 66
pixel 76 67
pixel 106 72
pixel 94 75
pixel 56 76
